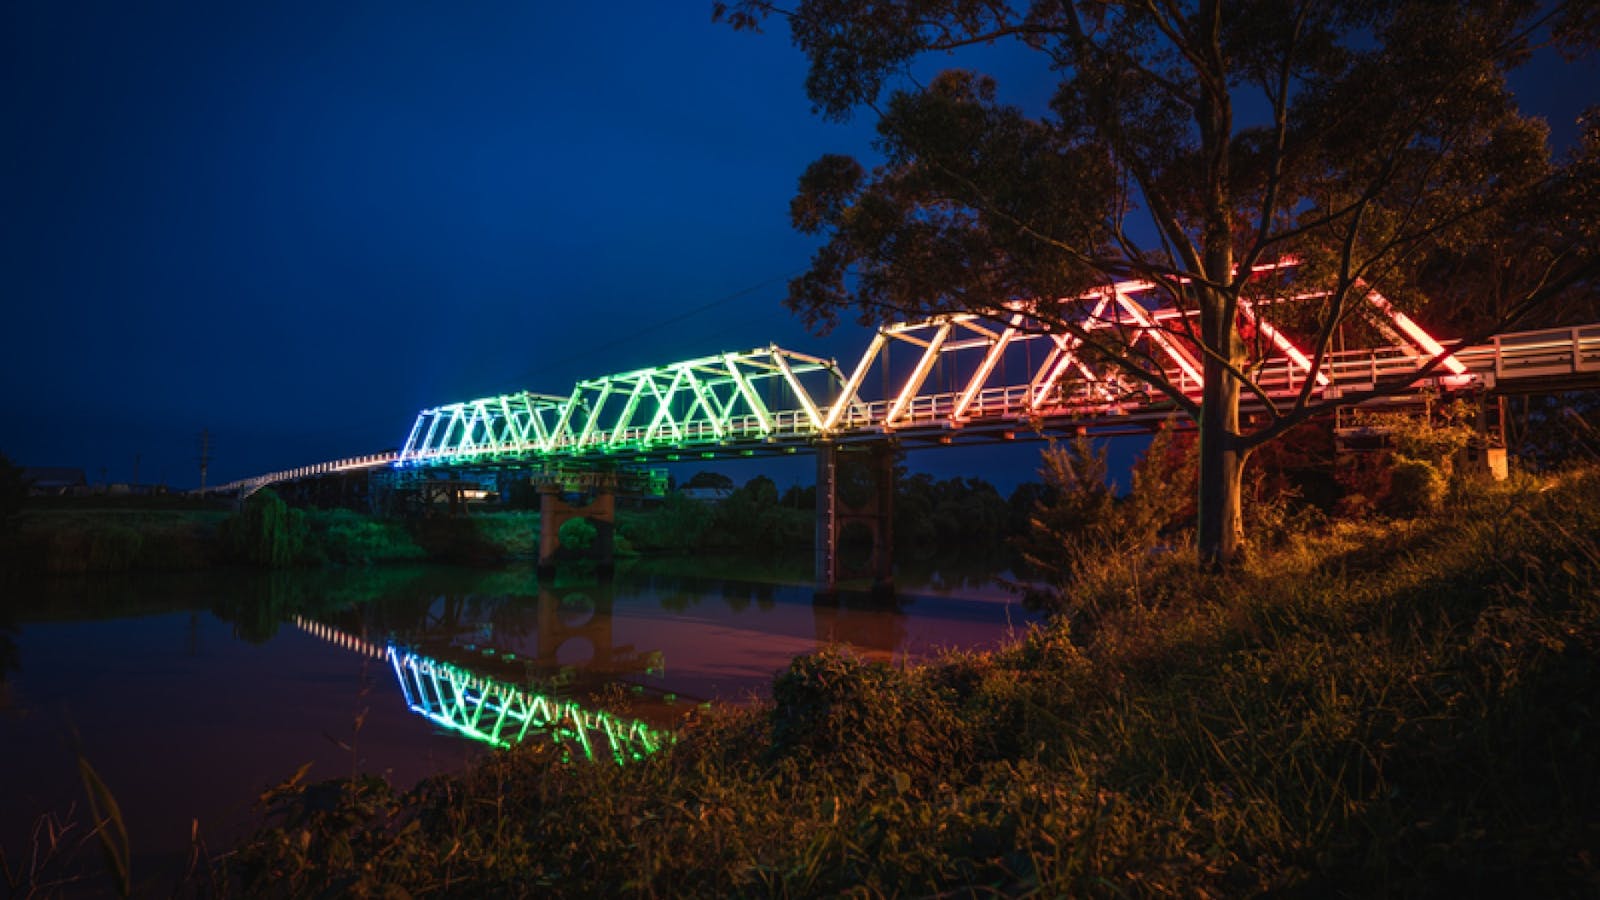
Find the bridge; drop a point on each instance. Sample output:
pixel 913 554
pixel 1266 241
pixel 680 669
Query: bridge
pixel 952 379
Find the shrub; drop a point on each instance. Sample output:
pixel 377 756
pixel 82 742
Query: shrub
pixel 893 720
pixel 1415 486
pixel 13 492
pixel 577 535
pixel 1082 532
pixel 266 532
pixel 343 536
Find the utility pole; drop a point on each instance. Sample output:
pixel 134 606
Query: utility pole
pixel 205 458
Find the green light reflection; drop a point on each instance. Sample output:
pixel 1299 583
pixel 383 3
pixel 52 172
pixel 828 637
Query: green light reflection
pixel 501 714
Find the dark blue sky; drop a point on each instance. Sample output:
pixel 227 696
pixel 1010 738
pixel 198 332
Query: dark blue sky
pixel 294 224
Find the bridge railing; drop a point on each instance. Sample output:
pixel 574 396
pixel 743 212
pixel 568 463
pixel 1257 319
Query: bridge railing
pixel 247 486
pixel 1538 354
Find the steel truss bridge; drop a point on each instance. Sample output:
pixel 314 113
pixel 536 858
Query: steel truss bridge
pixel 960 378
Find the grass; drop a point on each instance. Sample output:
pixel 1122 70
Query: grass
pixel 1392 708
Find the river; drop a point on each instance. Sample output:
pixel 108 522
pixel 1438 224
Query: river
pixel 189 694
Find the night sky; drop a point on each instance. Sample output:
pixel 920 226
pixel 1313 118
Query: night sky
pixel 295 224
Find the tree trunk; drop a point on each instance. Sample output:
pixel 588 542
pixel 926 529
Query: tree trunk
pixel 1221 520
pixel 1221 517
pixel 1221 514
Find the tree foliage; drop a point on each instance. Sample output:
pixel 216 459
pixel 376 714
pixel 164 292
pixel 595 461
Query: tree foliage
pixel 1079 522
pixel 714 480
pixel 952 517
pixel 13 491
pixel 1377 144
pixel 265 532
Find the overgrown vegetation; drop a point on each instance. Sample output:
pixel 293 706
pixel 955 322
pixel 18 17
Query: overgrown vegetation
pixel 1079 520
pixel 73 541
pixel 13 492
pixel 266 532
pixel 1399 707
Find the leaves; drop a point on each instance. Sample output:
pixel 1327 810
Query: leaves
pixel 108 825
pixel 1184 144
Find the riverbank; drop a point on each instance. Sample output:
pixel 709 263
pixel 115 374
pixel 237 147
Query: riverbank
pixel 1391 707
pixel 79 538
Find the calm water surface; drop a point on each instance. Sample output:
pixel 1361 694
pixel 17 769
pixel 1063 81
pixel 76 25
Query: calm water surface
pixel 190 694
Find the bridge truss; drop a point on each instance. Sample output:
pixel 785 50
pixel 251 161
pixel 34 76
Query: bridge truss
pixel 961 377
pixel 755 397
pixel 948 378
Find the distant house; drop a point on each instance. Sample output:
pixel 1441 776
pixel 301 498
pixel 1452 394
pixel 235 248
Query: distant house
pixel 53 482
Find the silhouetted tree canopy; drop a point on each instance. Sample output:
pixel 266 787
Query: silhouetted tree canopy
pixel 1186 143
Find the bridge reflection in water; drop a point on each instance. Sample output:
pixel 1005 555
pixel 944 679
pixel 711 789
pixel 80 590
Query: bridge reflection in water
pixel 500 658
pixel 501 714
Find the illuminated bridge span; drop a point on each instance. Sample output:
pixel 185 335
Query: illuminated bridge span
pixel 501 714
pixel 954 378
pixel 967 377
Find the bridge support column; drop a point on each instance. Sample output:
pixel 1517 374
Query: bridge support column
pixel 1485 456
pixel 873 507
pixel 600 511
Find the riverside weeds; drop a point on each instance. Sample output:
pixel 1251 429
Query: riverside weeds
pixel 1390 708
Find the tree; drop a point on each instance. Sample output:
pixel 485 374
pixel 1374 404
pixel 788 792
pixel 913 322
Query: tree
pixel 13 491
pixel 265 532
pixel 1186 144
pixel 713 480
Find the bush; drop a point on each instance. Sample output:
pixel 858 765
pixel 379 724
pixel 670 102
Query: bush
pixel 1415 486
pixel 266 532
pixel 13 492
pixel 577 535
pixel 1081 530
pixel 95 548
pixel 893 720
pixel 347 537
pixel 677 524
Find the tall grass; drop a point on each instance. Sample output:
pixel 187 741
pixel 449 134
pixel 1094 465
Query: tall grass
pixel 75 541
pixel 1399 708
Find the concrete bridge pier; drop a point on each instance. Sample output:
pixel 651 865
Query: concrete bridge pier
pixel 867 501
pixel 555 511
